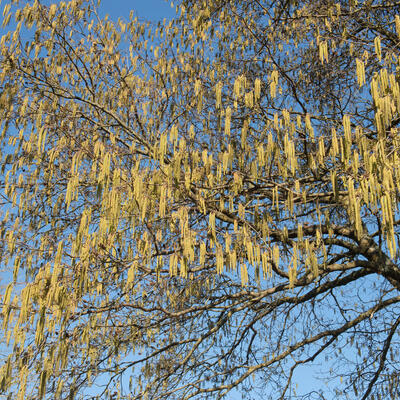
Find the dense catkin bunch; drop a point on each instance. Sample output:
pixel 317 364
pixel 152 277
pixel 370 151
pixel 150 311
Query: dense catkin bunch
pixel 202 205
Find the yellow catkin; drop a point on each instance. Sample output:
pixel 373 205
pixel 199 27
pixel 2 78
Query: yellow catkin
pixel 257 89
pixel 378 51
pixel 360 71
pixel 323 51
pixel 244 274
pixel 274 83
pixel 228 115
pixel 218 95
pixel 397 23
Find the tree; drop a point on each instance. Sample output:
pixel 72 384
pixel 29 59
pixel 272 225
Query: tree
pixel 201 206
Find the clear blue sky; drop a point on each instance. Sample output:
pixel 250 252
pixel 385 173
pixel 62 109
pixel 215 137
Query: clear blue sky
pixel 154 10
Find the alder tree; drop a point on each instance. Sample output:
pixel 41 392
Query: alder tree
pixel 203 207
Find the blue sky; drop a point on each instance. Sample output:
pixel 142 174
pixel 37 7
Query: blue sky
pixel 154 10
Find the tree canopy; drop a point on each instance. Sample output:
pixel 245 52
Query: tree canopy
pixel 200 206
